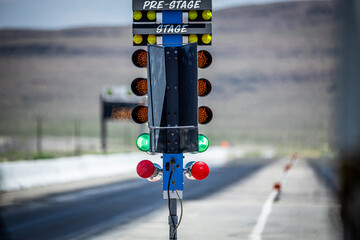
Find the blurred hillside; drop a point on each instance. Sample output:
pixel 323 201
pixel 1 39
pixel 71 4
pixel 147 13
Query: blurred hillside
pixel 272 76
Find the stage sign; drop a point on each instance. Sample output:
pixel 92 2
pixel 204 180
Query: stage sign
pixel 184 29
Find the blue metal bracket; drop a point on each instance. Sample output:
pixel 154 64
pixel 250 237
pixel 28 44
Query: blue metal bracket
pixel 173 162
pixel 172 17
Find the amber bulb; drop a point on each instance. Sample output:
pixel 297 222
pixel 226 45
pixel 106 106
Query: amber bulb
pixel 140 114
pixel 204 87
pixel 204 59
pixel 205 115
pixel 139 86
pixel 139 58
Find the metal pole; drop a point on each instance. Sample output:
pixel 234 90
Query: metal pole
pixel 126 137
pixel 348 135
pixel 102 126
pixel 39 135
pixel 172 175
pixel 103 135
pixel 77 135
pixel 172 17
pixel 173 219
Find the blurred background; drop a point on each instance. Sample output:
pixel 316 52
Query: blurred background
pixel 273 76
pixel 284 87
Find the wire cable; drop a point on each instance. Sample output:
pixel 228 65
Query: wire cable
pixel 181 205
pixel 168 193
pixel 172 175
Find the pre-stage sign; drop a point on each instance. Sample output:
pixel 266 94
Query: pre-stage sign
pixel 160 5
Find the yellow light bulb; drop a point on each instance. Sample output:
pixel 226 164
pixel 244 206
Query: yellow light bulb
pixel 151 15
pixel 137 39
pixel 137 15
pixel 151 39
pixel 193 14
pixel 207 15
pixel 193 38
pixel 206 38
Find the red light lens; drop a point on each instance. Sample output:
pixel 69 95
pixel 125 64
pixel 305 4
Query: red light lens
pixel 200 170
pixel 145 169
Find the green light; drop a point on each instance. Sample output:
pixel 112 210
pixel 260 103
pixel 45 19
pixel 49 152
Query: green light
pixel 203 143
pixel 143 142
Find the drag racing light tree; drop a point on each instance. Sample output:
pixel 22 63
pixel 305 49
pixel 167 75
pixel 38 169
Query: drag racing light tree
pixel 205 114
pixel 172 90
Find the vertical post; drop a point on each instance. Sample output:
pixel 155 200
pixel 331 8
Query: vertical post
pixel 39 133
pixel 348 135
pixel 172 17
pixel 103 135
pixel 126 137
pixel 77 135
pixel 173 219
pixel 102 125
pixel 172 167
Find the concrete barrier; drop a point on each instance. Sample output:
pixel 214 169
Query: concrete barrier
pixel 36 173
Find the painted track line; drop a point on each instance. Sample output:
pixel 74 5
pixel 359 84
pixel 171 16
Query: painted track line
pixel 261 221
pixel 267 207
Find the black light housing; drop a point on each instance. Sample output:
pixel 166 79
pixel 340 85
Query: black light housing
pixel 205 115
pixel 204 59
pixel 140 114
pixel 139 58
pixel 139 86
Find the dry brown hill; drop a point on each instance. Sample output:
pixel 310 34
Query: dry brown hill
pixel 272 73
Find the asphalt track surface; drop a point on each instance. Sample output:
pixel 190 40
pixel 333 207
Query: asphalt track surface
pixel 91 211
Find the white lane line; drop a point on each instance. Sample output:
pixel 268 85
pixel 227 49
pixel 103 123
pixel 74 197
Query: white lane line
pixel 267 208
pixel 261 221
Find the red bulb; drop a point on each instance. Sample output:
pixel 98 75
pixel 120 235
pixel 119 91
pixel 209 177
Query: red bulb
pixel 200 170
pixel 145 169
